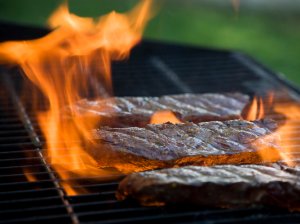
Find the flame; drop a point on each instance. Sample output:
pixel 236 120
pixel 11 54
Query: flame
pixel 29 175
pixel 259 107
pixel 164 116
pixel 287 115
pixel 71 63
pixel 288 131
pixel 256 109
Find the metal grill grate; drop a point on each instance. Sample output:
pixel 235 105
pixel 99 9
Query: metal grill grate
pixel 153 69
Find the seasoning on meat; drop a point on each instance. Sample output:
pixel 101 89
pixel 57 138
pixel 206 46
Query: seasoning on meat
pixel 169 145
pixel 217 186
pixel 137 111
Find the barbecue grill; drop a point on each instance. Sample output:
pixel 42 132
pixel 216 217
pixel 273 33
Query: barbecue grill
pixel 31 191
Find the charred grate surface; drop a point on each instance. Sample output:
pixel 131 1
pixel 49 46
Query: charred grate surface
pixel 30 191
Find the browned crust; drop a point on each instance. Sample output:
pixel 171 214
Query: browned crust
pixel 206 118
pixel 127 162
pixel 270 155
pixel 122 119
pixel 237 195
pixel 142 121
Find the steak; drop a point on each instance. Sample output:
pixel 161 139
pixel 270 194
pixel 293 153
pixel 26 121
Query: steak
pixel 169 145
pixel 137 111
pixel 291 165
pixel 217 186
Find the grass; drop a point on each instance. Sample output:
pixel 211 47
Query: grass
pixel 271 37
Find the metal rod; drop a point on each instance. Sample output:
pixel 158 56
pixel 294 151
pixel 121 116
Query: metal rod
pixel 36 141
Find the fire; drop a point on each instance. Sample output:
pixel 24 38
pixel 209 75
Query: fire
pixel 71 63
pixel 256 109
pixel 287 114
pixel 164 116
pixel 259 107
pixel 288 131
pixel 29 175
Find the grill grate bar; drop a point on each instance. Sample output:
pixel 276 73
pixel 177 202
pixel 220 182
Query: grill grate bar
pixel 38 219
pixel 117 176
pixel 29 200
pixel 28 191
pixel 21 166
pixel 152 217
pixel 35 141
pixel 237 216
pixel 20 159
pixel 135 209
pixel 22 174
pixel 17 145
pixel 289 218
pixel 10 132
pixel 17 151
pixel 31 209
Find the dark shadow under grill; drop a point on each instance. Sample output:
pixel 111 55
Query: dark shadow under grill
pixel 153 69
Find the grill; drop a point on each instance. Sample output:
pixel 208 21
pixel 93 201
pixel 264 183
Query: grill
pixel 154 68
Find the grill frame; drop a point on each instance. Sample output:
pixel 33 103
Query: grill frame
pixel 45 200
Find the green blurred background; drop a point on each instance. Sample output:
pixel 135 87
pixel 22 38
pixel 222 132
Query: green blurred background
pixel 266 29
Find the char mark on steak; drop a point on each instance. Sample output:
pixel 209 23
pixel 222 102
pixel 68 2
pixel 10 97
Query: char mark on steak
pixel 137 111
pixel 169 145
pixel 217 186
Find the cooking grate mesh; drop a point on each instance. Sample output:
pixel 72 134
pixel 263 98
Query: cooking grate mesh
pixel 30 191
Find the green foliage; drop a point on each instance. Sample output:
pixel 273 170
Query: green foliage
pixel 271 37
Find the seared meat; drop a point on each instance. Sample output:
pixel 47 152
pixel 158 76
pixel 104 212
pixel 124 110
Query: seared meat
pixel 137 111
pixel 168 145
pixel 289 165
pixel 217 186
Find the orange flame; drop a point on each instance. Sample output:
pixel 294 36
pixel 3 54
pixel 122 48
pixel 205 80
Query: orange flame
pixel 164 116
pixel 71 63
pixel 256 110
pixel 287 115
pixel 288 131
pixel 259 107
pixel 29 175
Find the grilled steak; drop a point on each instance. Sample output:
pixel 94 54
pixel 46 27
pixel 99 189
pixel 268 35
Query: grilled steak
pixel 137 111
pixel 289 165
pixel 217 186
pixel 168 145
